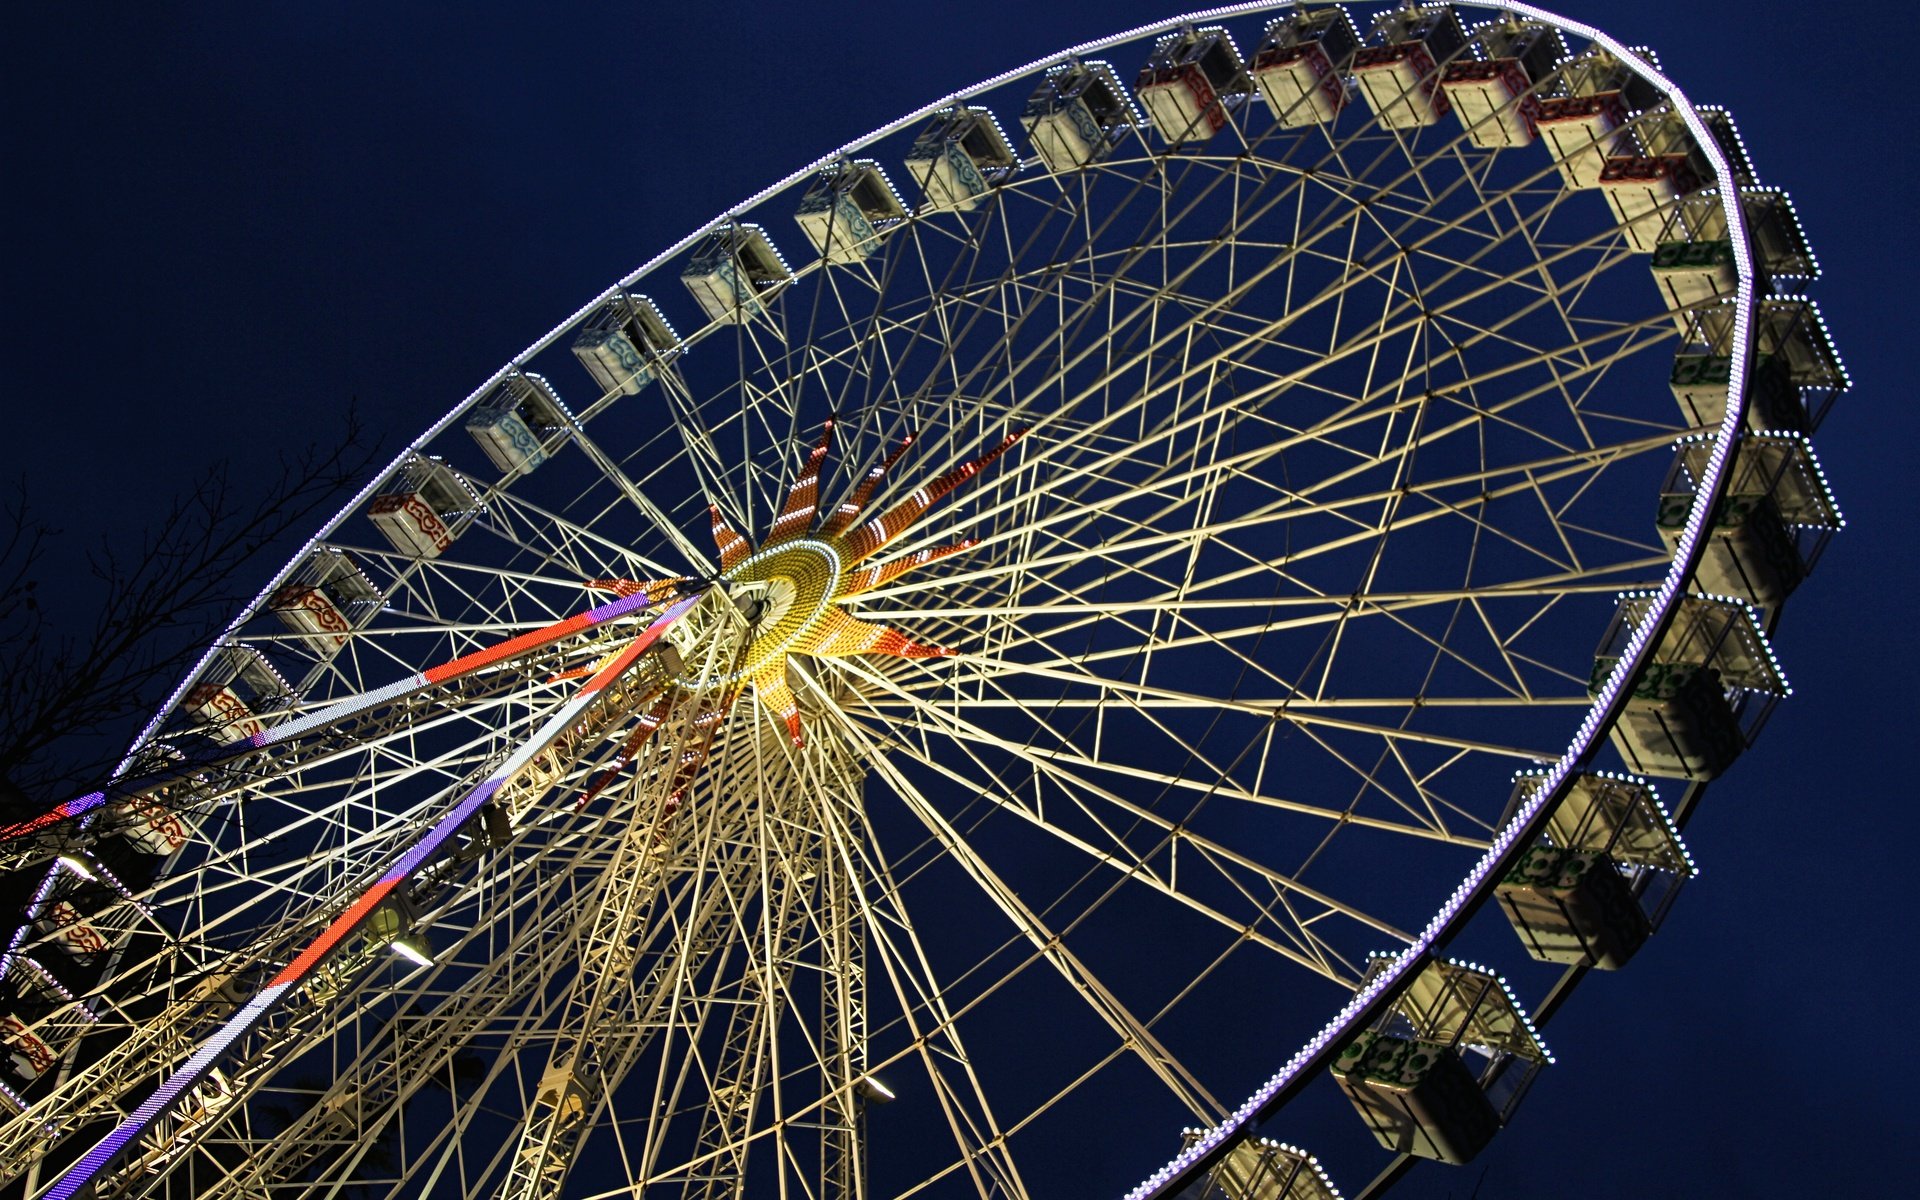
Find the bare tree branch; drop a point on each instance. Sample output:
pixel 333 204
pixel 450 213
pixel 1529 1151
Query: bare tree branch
pixel 72 701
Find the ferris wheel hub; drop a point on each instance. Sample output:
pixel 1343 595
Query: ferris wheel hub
pixel 792 585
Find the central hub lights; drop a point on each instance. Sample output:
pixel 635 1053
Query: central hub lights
pixel 801 575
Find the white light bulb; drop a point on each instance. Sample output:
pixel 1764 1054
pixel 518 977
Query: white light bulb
pixel 406 949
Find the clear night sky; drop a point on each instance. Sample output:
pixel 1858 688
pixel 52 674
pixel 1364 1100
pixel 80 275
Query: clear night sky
pixel 230 218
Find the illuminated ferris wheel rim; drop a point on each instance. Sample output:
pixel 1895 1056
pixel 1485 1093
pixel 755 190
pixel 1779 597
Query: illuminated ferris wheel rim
pixel 1712 484
pixel 1606 704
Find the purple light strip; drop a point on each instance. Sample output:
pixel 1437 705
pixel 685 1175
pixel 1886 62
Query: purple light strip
pixel 83 1173
pixel 1310 1057
pixel 466 664
pixel 452 669
pixel 1687 550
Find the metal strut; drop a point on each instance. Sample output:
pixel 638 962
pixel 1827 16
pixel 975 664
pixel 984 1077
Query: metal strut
pixel 517 781
pixel 605 1021
pixel 156 1045
pixel 162 1041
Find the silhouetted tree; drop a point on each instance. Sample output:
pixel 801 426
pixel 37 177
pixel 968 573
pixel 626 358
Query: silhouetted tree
pixel 75 693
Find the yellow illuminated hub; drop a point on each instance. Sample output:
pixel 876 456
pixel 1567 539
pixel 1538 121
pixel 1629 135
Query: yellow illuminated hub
pixel 800 576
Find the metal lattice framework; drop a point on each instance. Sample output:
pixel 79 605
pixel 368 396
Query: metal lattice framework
pixel 1204 534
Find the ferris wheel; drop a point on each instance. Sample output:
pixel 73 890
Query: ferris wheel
pixel 1120 574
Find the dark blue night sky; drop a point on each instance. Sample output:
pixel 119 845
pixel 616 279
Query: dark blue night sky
pixel 230 219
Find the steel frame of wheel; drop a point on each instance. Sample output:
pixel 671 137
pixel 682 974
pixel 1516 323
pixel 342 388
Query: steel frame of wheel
pixel 1588 739
pixel 590 859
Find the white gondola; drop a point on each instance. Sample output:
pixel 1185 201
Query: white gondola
pixel 1703 698
pixel 1190 81
pixel 1726 136
pixel 1258 1168
pixel 1643 189
pixel 1693 263
pixel 1598 71
pixel 424 507
pixel 1600 878
pixel 1780 246
pixel 1399 73
pixel 1797 373
pixel 38 1018
pixel 1699 382
pixel 849 209
pixel 28 1053
pixel 1496 98
pixel 326 600
pixel 959 156
pixel 1445 1066
pixel 77 917
pixel 150 825
pixel 235 693
pixel 1772 525
pixel 1580 132
pixel 1076 115
pixel 624 345
pixel 1647 184
pixel 1791 329
pixel 1584 125
pixel 81 933
pixel 735 273
pixel 520 422
pixel 1693 272
pixel 1571 906
pixel 1300 67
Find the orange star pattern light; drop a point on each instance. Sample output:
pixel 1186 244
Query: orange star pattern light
pixel 801 576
